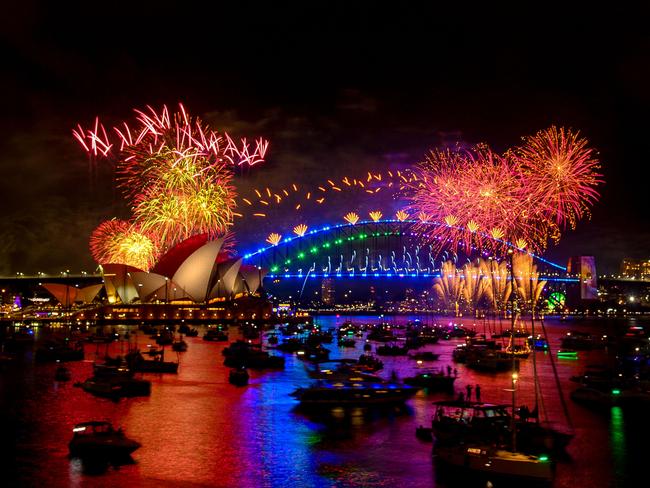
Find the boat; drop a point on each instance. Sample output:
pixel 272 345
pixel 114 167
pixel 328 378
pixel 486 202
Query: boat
pixel 518 351
pixel 371 362
pixel 582 341
pixel 62 374
pixel 432 381
pixel 243 354
pixel 470 421
pixel 424 356
pixel 538 343
pixel 164 338
pixel 495 464
pixel 314 353
pixel 215 335
pixel 346 369
pixel 138 364
pixel 354 393
pixel 152 351
pixel 19 339
pixel 629 398
pixel 483 359
pixel 488 423
pixel 98 439
pixel 238 377
pixel 392 350
pixel 179 346
pixel 346 342
pixel 115 387
pixel 59 351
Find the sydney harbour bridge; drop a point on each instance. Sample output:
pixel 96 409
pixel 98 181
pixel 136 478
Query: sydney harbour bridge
pixel 369 249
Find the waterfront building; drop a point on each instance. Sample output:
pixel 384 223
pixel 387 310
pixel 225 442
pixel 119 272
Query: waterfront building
pixel 327 291
pixel 635 268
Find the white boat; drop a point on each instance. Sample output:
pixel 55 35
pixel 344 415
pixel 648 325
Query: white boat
pixel 496 463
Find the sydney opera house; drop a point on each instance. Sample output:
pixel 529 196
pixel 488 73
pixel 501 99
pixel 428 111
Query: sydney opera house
pixel 195 281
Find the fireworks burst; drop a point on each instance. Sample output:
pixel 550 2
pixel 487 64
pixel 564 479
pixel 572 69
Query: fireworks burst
pixel 562 173
pixel 523 197
pixel 375 215
pixel 120 242
pixel 175 172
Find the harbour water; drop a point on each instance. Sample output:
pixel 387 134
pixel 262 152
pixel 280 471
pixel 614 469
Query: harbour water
pixel 198 430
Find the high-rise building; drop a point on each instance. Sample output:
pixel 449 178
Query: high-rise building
pixel 635 268
pixel 327 291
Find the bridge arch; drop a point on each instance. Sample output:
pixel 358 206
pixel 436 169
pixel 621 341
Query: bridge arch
pixel 383 248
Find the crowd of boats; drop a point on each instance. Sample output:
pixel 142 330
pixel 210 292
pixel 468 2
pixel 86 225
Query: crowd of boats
pixel 508 440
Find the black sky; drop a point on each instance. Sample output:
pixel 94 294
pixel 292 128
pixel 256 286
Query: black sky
pixel 332 85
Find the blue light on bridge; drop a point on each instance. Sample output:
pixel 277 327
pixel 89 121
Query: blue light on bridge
pixel 314 232
pixel 385 275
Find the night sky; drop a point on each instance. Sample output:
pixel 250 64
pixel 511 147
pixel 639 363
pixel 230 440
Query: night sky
pixel 336 89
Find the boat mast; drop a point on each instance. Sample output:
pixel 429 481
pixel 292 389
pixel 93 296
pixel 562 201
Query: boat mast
pixel 513 425
pixel 532 333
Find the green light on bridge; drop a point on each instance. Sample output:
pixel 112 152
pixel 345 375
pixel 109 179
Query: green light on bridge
pixel 301 255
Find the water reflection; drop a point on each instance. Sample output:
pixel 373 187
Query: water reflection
pixel 196 428
pixel 617 441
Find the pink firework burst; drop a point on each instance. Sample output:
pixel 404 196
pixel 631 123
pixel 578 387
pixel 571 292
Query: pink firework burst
pixel 475 195
pixel 561 173
pixel 484 200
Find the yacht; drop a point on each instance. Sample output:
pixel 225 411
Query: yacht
pixel 354 393
pixel 432 381
pixel 238 377
pixel 495 463
pixel 100 439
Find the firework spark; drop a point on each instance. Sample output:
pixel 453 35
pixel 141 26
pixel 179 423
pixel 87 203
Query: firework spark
pixel 351 218
pixel 274 238
pixel 375 215
pixel 401 215
pixel 300 230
